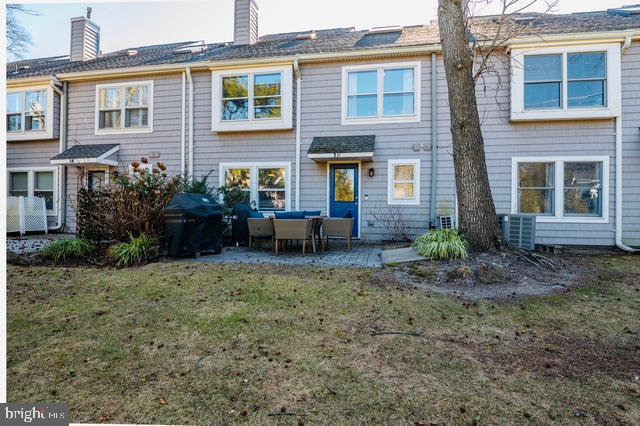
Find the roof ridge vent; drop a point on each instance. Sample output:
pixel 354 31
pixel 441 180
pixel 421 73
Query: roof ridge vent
pixel 384 30
pixel 628 10
pixel 311 35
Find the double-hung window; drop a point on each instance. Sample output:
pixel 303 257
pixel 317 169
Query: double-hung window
pixel 403 182
pixel 572 189
pixel 124 107
pixel 558 83
pixel 252 99
pixel 34 183
pixel 381 93
pixel 27 114
pixel 265 185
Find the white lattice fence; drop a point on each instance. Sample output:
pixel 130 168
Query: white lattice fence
pixel 26 214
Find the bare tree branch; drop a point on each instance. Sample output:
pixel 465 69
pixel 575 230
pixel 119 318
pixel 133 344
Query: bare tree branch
pixel 18 38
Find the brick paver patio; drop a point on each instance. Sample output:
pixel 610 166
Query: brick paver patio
pixel 363 255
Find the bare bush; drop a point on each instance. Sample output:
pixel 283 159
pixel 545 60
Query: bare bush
pixel 395 222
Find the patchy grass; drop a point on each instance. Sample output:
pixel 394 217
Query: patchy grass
pixel 180 343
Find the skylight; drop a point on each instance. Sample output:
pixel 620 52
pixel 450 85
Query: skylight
pixel 384 30
pixel 196 47
pixel 632 9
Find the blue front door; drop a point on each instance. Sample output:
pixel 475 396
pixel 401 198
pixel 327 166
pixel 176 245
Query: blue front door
pixel 343 194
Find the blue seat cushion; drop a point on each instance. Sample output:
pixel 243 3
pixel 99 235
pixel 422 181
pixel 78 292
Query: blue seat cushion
pixel 347 215
pixel 289 215
pixel 312 213
pixel 257 215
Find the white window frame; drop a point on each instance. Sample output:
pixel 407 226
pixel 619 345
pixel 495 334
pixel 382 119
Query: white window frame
pixel 381 118
pixel 47 132
pixel 558 216
pixel 254 176
pixel 123 129
pixel 391 164
pixel 613 105
pixel 285 121
pixel 32 183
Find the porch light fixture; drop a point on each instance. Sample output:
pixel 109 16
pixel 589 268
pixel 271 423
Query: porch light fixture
pixel 372 172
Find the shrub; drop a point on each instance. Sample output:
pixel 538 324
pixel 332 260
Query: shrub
pixel 441 244
pixel 394 221
pixel 138 250
pixel 62 250
pixel 133 203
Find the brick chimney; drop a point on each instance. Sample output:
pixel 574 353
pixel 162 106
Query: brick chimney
pixel 245 22
pixel 85 38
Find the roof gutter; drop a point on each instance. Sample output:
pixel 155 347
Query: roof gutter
pixel 573 38
pixel 33 81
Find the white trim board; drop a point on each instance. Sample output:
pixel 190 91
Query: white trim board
pixel 415 201
pixel 285 122
pixel 559 187
pixel 123 130
pixel 31 183
pixel 380 67
pixel 27 135
pixel 613 106
pixel 254 179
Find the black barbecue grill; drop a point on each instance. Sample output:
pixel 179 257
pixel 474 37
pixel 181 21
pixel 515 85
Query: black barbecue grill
pixel 194 225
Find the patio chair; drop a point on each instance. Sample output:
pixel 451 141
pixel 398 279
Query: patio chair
pixel 260 228
pixel 335 227
pixel 294 229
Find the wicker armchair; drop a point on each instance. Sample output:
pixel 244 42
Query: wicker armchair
pixel 260 228
pixel 337 227
pixel 294 229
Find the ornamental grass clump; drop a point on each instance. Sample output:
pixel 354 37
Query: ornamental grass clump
pixel 441 244
pixel 63 250
pixel 135 252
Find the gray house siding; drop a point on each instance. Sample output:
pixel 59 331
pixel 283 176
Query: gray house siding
pixel 213 148
pixel 505 140
pixel 321 116
pixel 163 144
pixel 631 145
pixel 32 154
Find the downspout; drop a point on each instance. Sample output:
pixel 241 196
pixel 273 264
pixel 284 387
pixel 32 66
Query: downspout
pixel 434 136
pixel 182 135
pixel 619 148
pixel 62 147
pixel 190 81
pixel 296 68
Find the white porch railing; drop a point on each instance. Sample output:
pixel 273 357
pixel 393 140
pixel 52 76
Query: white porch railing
pixel 26 214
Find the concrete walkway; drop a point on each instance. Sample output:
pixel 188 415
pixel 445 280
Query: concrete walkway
pixel 362 255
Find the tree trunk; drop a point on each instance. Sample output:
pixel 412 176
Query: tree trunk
pixel 477 213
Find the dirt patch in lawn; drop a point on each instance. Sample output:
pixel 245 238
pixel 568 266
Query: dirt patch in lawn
pixel 498 276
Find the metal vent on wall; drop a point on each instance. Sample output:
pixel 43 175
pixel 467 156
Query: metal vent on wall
pixel 445 222
pixel 519 230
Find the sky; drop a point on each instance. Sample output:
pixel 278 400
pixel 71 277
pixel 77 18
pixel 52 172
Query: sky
pixel 131 24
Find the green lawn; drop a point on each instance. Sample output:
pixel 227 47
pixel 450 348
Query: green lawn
pixel 179 343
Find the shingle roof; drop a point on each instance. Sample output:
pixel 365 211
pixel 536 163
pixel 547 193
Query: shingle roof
pixel 85 151
pixel 342 144
pixel 326 41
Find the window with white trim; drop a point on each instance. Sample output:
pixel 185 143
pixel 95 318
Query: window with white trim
pixel 380 93
pixel 34 183
pixel 252 99
pixel 403 182
pixel 569 189
pixel 570 82
pixel 124 107
pixel 26 111
pixel 264 184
